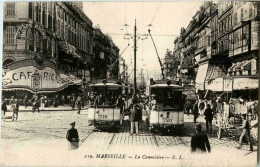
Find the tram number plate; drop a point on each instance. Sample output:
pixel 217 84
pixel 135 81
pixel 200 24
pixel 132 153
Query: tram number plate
pixel 167 120
pixel 102 116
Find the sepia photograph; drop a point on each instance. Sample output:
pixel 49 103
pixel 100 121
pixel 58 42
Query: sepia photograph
pixel 130 83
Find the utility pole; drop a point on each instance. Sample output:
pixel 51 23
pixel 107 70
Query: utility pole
pixel 135 88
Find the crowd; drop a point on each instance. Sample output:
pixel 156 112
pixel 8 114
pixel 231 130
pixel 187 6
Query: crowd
pixel 135 107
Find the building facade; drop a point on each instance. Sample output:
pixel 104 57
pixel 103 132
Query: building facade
pixel 52 39
pixel 221 43
pixel 106 57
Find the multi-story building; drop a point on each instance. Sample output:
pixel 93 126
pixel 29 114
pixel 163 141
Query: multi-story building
pixel 223 41
pixel 106 57
pixel 244 47
pixel 168 67
pixel 52 38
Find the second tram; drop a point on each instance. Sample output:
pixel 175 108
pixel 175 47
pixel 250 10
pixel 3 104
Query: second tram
pixel 166 107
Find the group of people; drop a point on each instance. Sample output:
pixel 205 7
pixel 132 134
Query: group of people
pixel 14 108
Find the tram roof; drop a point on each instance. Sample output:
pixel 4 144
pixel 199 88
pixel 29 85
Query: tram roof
pixel 105 85
pixel 166 86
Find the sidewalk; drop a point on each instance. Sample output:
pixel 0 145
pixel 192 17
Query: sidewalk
pixel 59 108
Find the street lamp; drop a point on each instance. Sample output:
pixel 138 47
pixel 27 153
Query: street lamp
pixel 135 37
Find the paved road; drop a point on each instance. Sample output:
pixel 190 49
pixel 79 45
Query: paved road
pixel 39 139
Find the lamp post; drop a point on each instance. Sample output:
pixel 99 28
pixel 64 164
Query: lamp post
pixel 135 37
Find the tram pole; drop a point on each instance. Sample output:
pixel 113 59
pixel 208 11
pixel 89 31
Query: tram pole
pixel 135 87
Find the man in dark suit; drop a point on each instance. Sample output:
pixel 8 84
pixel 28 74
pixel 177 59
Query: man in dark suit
pixel 199 141
pixel 209 113
pixel 73 137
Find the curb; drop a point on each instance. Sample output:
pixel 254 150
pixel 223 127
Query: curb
pixel 49 110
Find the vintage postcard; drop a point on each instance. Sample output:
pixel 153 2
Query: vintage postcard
pixel 139 83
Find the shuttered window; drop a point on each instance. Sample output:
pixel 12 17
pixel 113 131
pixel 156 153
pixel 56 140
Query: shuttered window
pixel 10 35
pixel 10 9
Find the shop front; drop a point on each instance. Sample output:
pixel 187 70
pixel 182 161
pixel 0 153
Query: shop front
pixel 28 76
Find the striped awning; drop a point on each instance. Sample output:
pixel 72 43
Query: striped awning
pixel 232 67
pixel 246 66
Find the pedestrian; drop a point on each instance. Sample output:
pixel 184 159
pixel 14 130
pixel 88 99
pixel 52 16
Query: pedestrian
pixel 35 104
pixel 200 141
pixel 42 101
pixel 62 100
pixel 121 105
pixel 209 112
pixel 245 133
pixel 73 99
pixel 195 111
pixel 73 137
pixel 69 100
pixel 25 101
pixel 15 110
pixel 56 101
pixel 136 113
pixel 201 107
pixel 83 101
pixel 79 104
pixel 12 104
pixel 4 108
pixel 188 107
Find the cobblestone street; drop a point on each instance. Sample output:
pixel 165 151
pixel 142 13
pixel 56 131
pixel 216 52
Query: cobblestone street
pixel 43 134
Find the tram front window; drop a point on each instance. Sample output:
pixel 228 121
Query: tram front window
pixel 105 96
pixel 168 98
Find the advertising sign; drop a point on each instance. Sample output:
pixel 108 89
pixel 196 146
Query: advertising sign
pixel 32 78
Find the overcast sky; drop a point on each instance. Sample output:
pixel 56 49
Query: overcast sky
pixel 166 18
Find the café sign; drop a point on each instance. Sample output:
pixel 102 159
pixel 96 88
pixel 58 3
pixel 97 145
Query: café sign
pixel 36 79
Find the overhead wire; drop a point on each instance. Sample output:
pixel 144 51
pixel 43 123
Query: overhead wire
pixel 156 13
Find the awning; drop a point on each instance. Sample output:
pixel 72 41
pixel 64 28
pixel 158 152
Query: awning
pixel 246 66
pixel 239 65
pixel 232 67
pixel 75 55
pixel 201 76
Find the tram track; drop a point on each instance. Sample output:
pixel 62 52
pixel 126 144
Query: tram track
pixel 83 140
pixel 183 141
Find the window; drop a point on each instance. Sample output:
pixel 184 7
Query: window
pixel 30 10
pixel 242 14
pixel 208 40
pixel 10 35
pixel 250 11
pixel 235 18
pixel 237 39
pixel 245 36
pixel 10 9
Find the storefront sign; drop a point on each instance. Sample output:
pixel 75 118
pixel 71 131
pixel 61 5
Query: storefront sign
pixel 245 83
pixel 30 77
pixel 214 85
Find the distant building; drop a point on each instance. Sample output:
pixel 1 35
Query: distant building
pixel 106 56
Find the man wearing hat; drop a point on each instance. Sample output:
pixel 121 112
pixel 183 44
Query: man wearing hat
pixel 245 133
pixel 4 108
pixel 73 137
pixel 200 141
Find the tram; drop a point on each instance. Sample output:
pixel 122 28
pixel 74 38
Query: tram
pixel 166 112
pixel 103 113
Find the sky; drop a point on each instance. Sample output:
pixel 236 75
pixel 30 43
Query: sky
pixel 166 19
